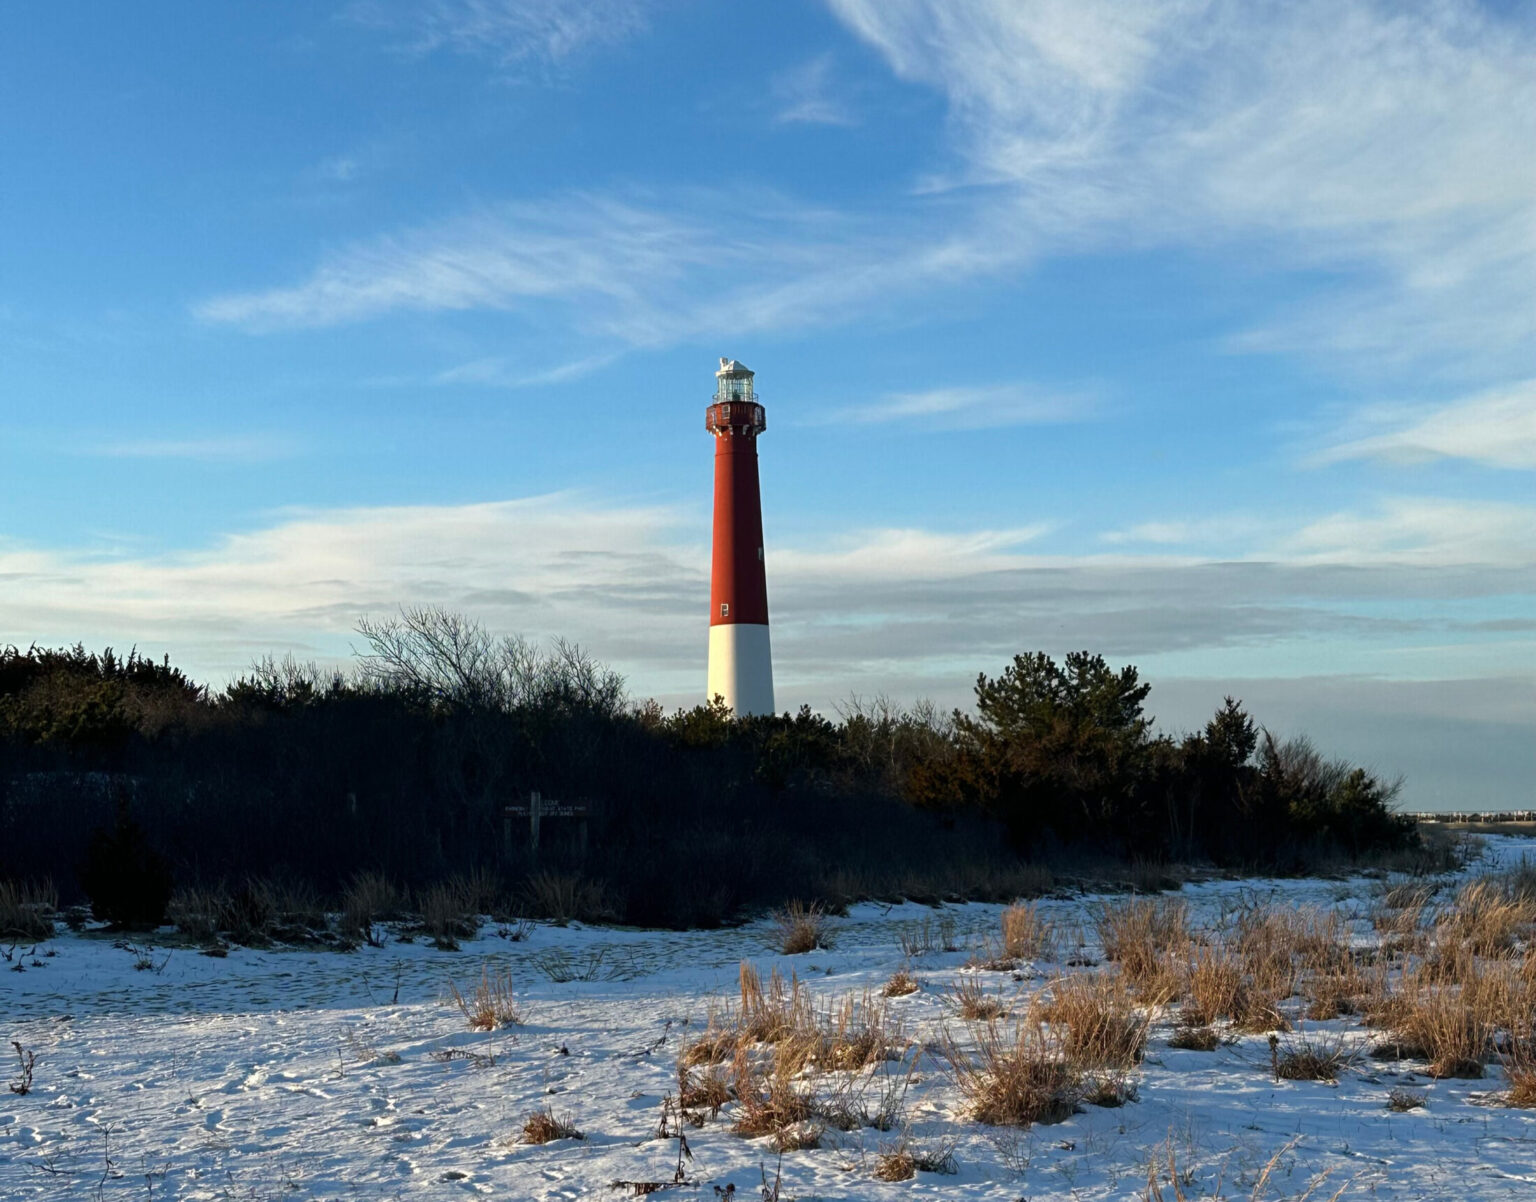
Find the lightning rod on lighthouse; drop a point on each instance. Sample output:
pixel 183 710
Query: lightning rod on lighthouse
pixel 740 663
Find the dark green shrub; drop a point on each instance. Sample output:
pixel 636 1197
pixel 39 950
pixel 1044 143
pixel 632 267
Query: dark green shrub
pixel 128 881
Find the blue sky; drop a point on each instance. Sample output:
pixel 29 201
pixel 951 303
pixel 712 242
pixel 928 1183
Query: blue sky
pixel 1201 334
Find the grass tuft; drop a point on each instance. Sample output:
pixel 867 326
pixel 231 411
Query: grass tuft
pixel 800 928
pixel 491 1004
pixel 545 1126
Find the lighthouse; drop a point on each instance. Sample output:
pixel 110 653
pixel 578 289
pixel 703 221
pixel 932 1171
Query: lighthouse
pixel 740 663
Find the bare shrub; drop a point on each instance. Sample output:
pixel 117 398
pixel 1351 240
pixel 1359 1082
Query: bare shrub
pixel 27 910
pixel 1015 1079
pixel 1140 933
pixel 972 1001
pixel 799 928
pixel 491 1004
pixel 544 1126
pixel 1401 1100
pixel 1026 934
pixel 902 983
pixel 26 1061
pixel 1103 1029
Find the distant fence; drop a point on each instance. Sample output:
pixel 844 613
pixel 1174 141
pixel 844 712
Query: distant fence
pixel 1472 815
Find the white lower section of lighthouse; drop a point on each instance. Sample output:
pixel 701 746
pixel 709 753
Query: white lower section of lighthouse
pixel 741 667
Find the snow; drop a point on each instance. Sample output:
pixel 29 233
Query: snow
pixel 311 1074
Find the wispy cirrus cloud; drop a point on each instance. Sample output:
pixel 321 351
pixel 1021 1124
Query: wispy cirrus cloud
pixel 232 448
pixel 506 32
pixel 1384 147
pixel 1386 144
pixel 805 94
pixel 977 407
pixel 1496 428
pixel 712 262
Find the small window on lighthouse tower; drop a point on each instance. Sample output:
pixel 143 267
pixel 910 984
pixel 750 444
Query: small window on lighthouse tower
pixel 725 609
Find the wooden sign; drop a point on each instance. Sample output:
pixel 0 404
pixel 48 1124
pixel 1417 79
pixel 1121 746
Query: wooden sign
pixel 539 808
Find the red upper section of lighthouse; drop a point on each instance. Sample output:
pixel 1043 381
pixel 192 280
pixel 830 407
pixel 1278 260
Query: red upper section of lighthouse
pixel 738 585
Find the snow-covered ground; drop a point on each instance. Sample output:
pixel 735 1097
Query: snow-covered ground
pixel 298 1074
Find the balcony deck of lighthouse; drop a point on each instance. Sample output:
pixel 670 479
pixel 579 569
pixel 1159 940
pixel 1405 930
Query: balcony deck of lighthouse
pixel 740 660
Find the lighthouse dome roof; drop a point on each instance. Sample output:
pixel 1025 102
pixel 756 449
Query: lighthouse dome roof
pixel 730 367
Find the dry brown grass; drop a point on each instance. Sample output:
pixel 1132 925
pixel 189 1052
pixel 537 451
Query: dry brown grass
pixel 904 1160
pixel 1101 1027
pixel 1015 1079
pixel 1486 918
pixel 1335 993
pixel 491 1004
pixel 895 1164
pixel 1165 1170
pixel 768 1098
pixel 544 1126
pixel 1310 1056
pixel 1194 1039
pixel 447 915
pixel 853 1033
pixel 800 928
pixel 1026 934
pixel 1520 1073
pixel 1440 1027
pixel 709 1090
pixel 971 1000
pixel 1145 936
pixel 1215 986
pixel 370 897
pixel 901 984
pixel 27 910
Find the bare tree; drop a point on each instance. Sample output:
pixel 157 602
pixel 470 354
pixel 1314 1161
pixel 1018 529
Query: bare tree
pixel 453 660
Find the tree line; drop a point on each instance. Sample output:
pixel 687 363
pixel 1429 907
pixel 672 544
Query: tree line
pixel 403 765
